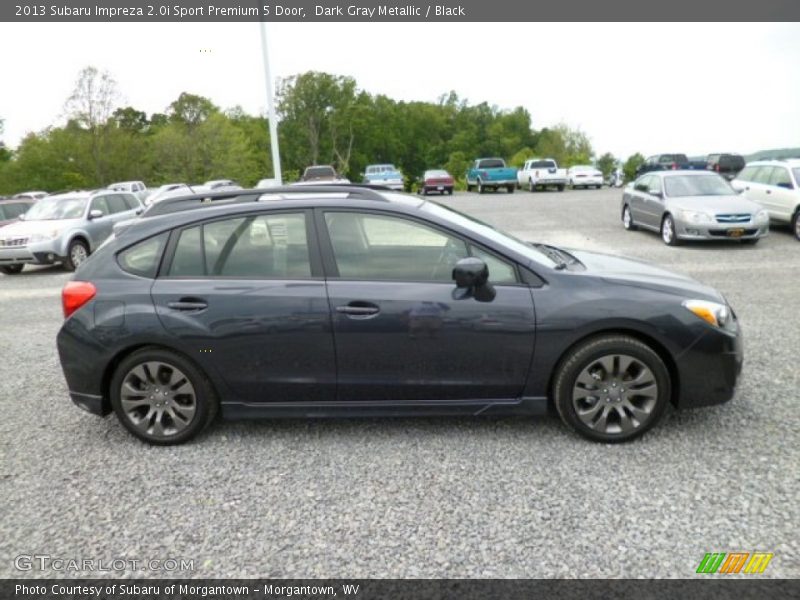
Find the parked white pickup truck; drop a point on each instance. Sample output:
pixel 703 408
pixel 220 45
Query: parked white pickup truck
pixel 541 173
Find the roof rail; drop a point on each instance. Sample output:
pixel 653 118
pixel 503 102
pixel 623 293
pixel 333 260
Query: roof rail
pixel 182 203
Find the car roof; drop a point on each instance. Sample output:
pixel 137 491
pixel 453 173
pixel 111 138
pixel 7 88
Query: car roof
pixel 183 210
pixel 775 162
pixel 683 173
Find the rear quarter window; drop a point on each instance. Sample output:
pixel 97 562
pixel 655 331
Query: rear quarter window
pixel 144 257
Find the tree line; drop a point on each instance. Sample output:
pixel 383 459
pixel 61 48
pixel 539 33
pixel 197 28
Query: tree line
pixel 323 119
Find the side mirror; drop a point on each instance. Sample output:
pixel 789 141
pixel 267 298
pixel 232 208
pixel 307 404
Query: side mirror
pixel 472 280
pixel 95 214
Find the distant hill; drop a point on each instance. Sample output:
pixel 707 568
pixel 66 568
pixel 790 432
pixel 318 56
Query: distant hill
pixel 774 154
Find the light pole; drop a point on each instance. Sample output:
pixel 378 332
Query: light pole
pixel 273 122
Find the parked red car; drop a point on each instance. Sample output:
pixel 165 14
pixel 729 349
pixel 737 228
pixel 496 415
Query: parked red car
pixel 436 180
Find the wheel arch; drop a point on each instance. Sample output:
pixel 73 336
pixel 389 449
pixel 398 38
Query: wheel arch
pixel 111 367
pixel 644 338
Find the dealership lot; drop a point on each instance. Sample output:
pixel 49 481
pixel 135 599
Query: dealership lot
pixel 422 497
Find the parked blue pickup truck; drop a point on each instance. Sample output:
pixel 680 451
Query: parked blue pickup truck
pixel 491 174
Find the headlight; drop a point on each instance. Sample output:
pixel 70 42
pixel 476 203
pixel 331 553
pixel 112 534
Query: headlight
pixel 694 216
pixel 44 237
pixel 714 313
pixel 762 216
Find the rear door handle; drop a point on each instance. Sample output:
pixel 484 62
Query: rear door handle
pixel 187 304
pixel 359 309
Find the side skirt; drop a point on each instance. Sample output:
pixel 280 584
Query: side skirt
pixel 528 406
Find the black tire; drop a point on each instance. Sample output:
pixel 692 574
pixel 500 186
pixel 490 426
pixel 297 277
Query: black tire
pixel 619 349
pixel 450 192
pixel 796 224
pixel 628 223
pixel 668 224
pixel 510 189
pixel 205 400
pixel 12 269
pixel 76 249
pixel 481 187
pixel 561 188
pixel 469 187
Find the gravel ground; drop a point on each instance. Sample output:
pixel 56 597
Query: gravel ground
pixel 421 497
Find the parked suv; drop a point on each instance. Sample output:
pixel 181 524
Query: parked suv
pixel 775 185
pixel 64 228
pixel 344 301
pixel 727 165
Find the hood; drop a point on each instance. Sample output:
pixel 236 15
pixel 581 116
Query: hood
pixel 638 273
pixel 25 228
pixel 717 204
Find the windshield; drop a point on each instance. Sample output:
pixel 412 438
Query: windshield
pixel 489 232
pixel 319 173
pixel 54 209
pixel 494 163
pixel 543 164
pixel 678 186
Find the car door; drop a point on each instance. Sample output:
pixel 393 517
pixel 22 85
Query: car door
pixel 653 201
pixel 637 204
pixel 100 226
pixel 399 333
pixel 246 297
pixel 782 197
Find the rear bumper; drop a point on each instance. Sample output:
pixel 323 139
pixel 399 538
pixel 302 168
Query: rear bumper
pixel 499 182
pixel 546 182
pixel 709 370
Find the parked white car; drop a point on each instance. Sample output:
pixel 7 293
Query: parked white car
pixel 138 188
pixel 167 191
pixel 584 176
pixel 775 185
pixel 541 173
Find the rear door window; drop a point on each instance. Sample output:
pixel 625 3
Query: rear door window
pixel 780 176
pixel 261 246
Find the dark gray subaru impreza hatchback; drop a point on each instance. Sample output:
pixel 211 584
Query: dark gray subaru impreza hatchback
pixel 346 301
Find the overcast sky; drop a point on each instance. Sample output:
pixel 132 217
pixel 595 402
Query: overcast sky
pixel 693 88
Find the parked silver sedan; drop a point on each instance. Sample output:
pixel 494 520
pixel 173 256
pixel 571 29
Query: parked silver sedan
pixel 64 229
pixel 691 205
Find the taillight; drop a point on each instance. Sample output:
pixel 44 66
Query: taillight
pixel 674 166
pixel 716 167
pixel 75 294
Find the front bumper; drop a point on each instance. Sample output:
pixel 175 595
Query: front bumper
pixel 721 231
pixel 709 369
pixel 39 253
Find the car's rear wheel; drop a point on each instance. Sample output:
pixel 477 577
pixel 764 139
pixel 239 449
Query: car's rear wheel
pixel 668 234
pixel 510 189
pixel 611 388
pixel 77 253
pixel 796 224
pixel 481 187
pixel 162 397
pixel 531 186
pixel 12 269
pixel 627 219
pixel 469 187
pixel 561 188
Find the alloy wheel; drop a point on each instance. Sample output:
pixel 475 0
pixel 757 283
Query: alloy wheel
pixel 158 399
pixel 615 394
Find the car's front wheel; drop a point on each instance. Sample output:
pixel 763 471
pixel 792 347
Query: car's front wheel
pixel 162 397
pixel 611 388
pixel 77 253
pixel 11 269
pixel 796 224
pixel 668 234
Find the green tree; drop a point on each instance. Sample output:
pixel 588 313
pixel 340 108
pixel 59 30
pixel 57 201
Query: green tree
pixel 631 165
pixel 607 163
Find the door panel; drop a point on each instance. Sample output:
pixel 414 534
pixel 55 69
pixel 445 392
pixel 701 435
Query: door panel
pixel 423 345
pixel 269 340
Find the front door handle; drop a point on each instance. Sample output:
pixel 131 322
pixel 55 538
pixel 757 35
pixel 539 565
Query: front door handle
pixel 187 304
pixel 359 309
